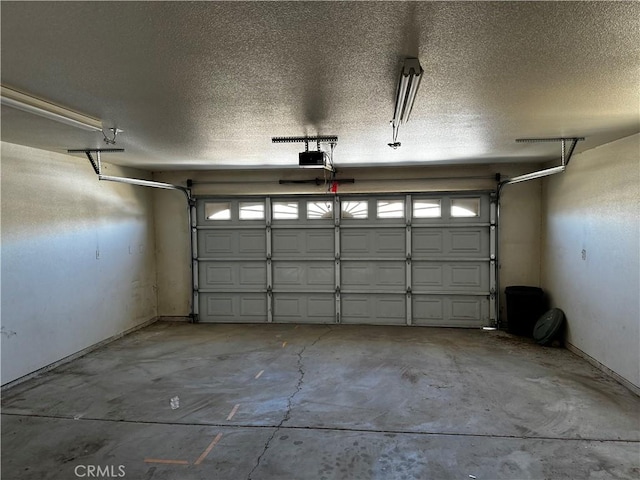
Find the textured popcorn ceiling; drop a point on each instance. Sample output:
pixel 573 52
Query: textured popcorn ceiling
pixel 206 85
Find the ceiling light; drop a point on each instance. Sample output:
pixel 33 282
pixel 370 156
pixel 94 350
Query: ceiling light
pixel 410 77
pixel 21 101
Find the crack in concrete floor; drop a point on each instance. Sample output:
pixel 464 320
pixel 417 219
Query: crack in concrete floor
pixel 287 414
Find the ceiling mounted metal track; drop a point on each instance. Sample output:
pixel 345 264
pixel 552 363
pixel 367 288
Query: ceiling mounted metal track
pixel 322 139
pixel 332 139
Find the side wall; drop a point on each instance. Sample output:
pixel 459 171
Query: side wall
pixel 591 245
pixel 520 214
pixel 78 258
pixel 520 234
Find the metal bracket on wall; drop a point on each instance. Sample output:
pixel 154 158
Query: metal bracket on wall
pixel 95 163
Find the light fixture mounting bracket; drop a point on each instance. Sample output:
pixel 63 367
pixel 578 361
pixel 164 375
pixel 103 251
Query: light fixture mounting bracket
pixel 114 131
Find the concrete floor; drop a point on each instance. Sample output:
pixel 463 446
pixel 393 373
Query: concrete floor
pixel 267 402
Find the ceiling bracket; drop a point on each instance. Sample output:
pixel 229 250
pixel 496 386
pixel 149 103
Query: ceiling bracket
pixel 564 156
pixel 95 163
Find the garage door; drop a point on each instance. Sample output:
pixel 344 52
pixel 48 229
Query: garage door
pixel 392 260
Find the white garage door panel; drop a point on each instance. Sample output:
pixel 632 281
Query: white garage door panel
pixel 304 308
pixel 427 242
pixel 233 307
pixel 380 309
pixel 450 311
pixel 289 243
pixel 371 243
pixel 314 275
pixel 232 243
pixel 468 277
pixel 362 275
pixel 466 242
pixel 233 275
pixel 376 259
pixel 443 277
pixel 450 242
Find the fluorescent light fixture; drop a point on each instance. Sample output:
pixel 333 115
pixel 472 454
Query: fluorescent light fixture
pixel 538 174
pixel 27 103
pixel 410 77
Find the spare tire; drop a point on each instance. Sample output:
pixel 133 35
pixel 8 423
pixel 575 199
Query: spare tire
pixel 549 327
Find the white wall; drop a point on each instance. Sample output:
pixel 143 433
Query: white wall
pixel 173 253
pixel 591 245
pixel 520 234
pixel 520 231
pixel 78 257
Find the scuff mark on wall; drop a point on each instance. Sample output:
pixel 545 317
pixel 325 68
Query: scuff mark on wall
pixel 7 333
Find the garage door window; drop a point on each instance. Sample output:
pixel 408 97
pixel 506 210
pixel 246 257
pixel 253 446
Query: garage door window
pixel 390 209
pixel 285 210
pixel 355 209
pixel 465 207
pixel 318 210
pixel 251 211
pixel 217 210
pixel 426 208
